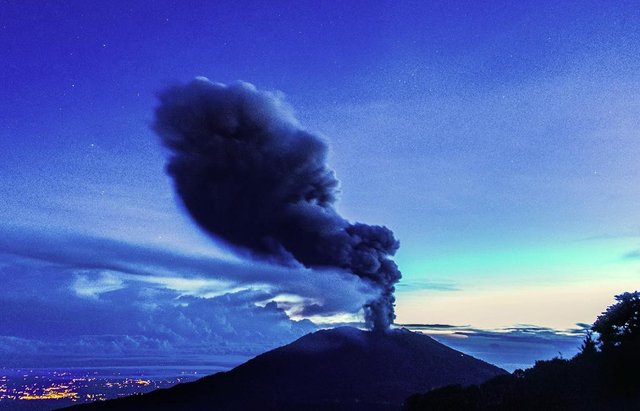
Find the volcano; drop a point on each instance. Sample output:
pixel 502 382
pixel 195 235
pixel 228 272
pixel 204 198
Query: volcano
pixel 338 369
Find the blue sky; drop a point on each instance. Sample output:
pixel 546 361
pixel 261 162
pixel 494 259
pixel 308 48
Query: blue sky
pixel 498 141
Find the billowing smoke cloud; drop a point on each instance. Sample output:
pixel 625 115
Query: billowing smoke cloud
pixel 249 174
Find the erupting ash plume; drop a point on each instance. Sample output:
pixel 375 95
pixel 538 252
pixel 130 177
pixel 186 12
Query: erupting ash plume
pixel 249 174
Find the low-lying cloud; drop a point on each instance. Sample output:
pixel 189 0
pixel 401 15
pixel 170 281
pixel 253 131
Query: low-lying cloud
pixel 51 312
pixel 331 291
pixel 513 347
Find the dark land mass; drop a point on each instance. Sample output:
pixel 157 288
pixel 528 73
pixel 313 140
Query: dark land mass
pixel 584 383
pixel 329 370
pixel 604 376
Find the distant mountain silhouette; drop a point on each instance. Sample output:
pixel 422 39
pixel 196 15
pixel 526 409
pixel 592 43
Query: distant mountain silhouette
pixel 338 369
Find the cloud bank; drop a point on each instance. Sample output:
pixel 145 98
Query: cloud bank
pixel 61 315
pixel 317 292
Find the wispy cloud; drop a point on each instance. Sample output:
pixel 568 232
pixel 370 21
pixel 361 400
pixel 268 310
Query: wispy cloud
pixel 86 286
pixel 333 291
pixel 412 285
pixel 632 255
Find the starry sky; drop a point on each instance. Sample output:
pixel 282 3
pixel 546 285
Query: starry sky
pixel 498 140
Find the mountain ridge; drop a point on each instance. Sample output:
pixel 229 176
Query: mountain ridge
pixel 335 369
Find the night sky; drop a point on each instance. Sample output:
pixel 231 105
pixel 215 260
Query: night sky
pixel 498 140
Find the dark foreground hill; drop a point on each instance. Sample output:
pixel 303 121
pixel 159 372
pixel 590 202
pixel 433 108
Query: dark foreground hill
pixel 339 369
pixel 580 384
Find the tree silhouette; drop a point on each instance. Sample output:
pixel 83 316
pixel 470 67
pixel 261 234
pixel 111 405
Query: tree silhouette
pixel 589 347
pixel 620 324
pixel 619 343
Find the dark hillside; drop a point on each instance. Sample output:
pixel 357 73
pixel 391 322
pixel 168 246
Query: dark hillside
pixel 338 369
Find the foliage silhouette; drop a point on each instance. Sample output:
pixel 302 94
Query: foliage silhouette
pixel 589 347
pixel 620 324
